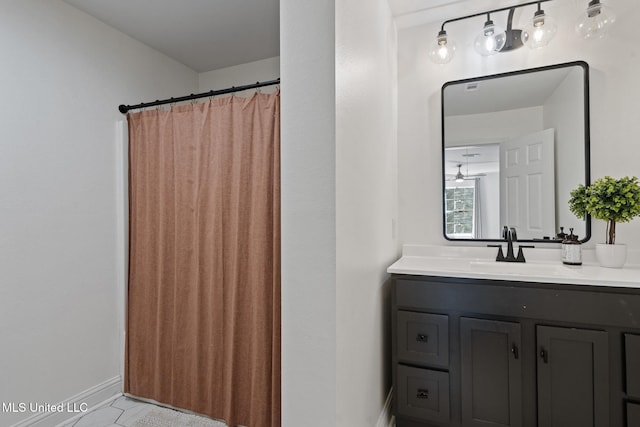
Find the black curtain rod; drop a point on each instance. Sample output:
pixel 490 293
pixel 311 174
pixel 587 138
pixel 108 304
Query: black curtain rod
pixel 125 108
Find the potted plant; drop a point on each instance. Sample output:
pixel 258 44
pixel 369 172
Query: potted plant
pixel 611 200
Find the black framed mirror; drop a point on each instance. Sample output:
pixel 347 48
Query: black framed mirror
pixel 513 147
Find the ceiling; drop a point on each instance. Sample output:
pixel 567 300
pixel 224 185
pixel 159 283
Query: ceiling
pixel 210 34
pixel 473 159
pixel 204 35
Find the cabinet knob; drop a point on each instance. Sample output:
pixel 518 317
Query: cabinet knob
pixel 422 393
pixel 422 338
pixel 514 350
pixel 544 355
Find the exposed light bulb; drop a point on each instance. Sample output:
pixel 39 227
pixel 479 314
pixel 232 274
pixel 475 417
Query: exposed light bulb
pixel 539 32
pixel 443 50
pixel 596 21
pixel 491 40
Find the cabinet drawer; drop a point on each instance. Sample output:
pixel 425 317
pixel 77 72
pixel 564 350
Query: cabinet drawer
pixel 633 415
pixel 423 394
pixel 423 338
pixel 632 361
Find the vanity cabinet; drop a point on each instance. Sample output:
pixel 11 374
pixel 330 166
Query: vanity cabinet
pixel 491 373
pixel 477 352
pixel 573 377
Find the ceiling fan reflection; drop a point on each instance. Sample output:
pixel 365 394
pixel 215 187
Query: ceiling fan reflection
pixel 460 177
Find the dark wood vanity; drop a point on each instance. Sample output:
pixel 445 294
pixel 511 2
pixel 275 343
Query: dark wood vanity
pixel 478 352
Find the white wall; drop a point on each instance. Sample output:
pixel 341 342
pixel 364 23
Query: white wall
pixel 308 153
pixel 563 112
pixel 63 76
pixel 338 209
pixel 491 127
pixel 240 75
pixel 614 62
pixel 366 205
pixel 489 187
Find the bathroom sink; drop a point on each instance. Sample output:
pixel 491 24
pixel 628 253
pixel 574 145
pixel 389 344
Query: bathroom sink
pixel 434 264
pixel 483 267
pixel 543 266
pixel 524 269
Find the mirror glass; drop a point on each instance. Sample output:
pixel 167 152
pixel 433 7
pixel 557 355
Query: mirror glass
pixel 514 146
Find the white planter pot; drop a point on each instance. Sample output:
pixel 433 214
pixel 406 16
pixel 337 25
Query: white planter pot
pixel 612 256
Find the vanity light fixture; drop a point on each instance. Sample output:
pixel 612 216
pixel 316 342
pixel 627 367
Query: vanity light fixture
pixel 540 30
pixel 596 21
pixel 443 50
pixel 493 39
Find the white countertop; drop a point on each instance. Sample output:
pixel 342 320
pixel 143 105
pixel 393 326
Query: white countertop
pixel 543 265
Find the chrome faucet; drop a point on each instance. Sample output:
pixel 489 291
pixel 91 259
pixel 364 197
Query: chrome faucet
pixel 510 235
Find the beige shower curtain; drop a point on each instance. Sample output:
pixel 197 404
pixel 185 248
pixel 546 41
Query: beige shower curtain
pixel 203 325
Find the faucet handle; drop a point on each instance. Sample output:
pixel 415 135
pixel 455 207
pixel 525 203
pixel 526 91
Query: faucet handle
pixel 520 257
pixel 500 256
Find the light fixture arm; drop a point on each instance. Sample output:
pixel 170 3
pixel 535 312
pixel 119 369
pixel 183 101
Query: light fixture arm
pixel 513 37
pixel 510 19
pixel 448 21
pixel 538 17
pixel 493 38
pixel 594 11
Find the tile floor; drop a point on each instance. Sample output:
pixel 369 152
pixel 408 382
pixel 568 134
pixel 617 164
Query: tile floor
pixel 122 412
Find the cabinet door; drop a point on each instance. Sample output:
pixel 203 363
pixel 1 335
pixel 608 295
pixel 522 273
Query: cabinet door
pixel 573 377
pixel 633 414
pixel 632 357
pixel 491 373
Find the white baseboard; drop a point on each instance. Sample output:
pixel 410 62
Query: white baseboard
pixel 85 401
pixel 385 419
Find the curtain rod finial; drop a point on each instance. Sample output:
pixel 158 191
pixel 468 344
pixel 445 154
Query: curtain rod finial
pixel 123 108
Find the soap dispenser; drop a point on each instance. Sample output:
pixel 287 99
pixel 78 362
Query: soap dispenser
pixel 561 235
pixel 571 249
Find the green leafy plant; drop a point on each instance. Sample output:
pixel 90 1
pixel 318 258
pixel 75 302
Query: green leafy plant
pixel 607 199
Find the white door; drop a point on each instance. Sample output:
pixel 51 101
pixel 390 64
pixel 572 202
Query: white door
pixel 527 184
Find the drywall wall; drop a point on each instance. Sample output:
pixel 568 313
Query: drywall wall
pixel 63 76
pixel 366 205
pixel 484 128
pixel 308 114
pixel 240 75
pixel 562 111
pixel 614 94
